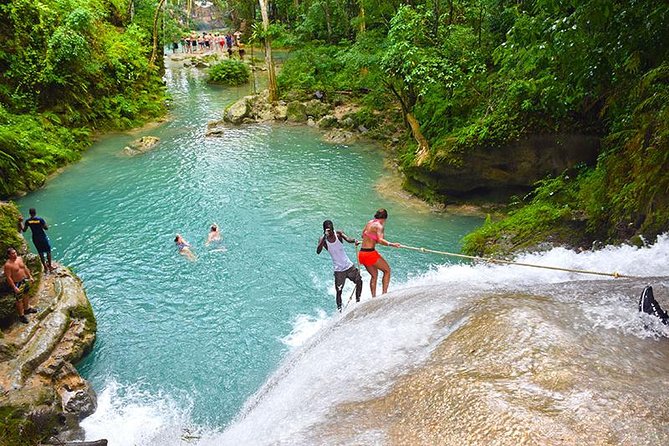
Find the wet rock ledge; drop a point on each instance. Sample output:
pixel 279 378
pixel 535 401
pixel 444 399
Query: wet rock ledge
pixel 42 396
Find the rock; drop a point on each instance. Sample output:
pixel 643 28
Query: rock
pixel 280 112
pixel 80 402
pixel 37 378
pixel 141 145
pixel 311 122
pixel 237 111
pixel 338 136
pixel 316 108
pixel 296 112
pixel 497 173
pixel 215 129
pixel 327 122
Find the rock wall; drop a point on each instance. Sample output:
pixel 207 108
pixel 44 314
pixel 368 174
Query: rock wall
pixel 497 173
pixel 40 390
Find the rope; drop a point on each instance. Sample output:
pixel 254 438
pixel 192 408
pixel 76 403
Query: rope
pixel 354 288
pixel 509 262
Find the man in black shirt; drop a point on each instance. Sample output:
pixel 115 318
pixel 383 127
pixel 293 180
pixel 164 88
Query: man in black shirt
pixel 37 226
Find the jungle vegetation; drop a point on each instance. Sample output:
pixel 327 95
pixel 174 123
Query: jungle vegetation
pixel 453 75
pixel 462 75
pixel 68 69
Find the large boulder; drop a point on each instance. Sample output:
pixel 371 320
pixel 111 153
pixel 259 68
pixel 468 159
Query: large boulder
pixel 497 173
pixel 141 145
pixel 296 112
pixel 38 381
pixel 236 113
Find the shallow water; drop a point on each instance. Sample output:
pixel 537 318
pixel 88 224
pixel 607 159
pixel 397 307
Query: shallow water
pixel 186 343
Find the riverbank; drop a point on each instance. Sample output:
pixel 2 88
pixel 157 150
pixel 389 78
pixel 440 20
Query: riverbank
pixel 42 396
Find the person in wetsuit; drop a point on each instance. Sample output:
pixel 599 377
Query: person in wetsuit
pixel 344 269
pixel 37 226
pixel 368 256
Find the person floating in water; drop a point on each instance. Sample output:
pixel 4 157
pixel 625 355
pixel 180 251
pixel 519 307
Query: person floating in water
pixel 184 247
pixel 343 267
pixel 214 235
pixel 37 226
pixel 18 277
pixel 368 256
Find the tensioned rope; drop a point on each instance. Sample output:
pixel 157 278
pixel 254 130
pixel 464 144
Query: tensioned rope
pixel 353 292
pixel 509 262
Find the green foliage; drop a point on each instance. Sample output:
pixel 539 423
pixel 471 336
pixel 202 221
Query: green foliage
pixel 16 429
pixel 331 68
pixel 65 70
pixel 229 72
pixel 9 235
pixel 544 218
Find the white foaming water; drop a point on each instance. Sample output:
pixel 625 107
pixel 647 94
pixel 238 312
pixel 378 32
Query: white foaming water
pixel 625 260
pixel 361 354
pixel 126 415
pixel 304 327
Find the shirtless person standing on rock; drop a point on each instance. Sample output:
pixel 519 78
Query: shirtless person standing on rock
pixel 18 275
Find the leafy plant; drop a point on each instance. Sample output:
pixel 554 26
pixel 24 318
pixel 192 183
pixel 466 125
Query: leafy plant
pixel 229 72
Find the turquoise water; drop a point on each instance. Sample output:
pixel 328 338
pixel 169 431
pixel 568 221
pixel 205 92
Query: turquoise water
pixel 207 333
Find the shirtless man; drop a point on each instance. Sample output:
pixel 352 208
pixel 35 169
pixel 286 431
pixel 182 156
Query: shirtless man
pixel 18 275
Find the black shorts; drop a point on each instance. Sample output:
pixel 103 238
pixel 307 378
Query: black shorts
pixel 42 244
pixel 340 277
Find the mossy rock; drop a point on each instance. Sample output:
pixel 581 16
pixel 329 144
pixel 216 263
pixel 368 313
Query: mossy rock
pixel 9 234
pixel 316 108
pixel 296 112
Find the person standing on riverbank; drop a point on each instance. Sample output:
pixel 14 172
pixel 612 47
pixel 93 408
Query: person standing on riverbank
pixel 368 256
pixel 18 277
pixel 37 227
pixel 343 267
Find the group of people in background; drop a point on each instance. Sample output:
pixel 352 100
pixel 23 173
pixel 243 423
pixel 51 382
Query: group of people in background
pixel 208 42
pixel 372 234
pixel 17 273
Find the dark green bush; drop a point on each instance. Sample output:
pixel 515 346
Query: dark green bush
pixel 229 72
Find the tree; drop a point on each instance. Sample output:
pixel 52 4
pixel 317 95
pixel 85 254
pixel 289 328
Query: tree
pixel 155 32
pixel 271 73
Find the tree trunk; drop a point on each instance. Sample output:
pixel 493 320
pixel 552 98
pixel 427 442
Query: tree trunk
pixel 271 74
pixel 362 28
pixel 423 146
pixel 326 11
pixel 154 53
pixel 407 103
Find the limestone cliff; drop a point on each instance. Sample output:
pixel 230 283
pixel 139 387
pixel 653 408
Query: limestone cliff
pixel 41 393
pixel 494 174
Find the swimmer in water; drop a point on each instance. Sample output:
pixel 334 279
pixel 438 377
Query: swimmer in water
pixel 368 256
pixel 214 235
pixel 184 247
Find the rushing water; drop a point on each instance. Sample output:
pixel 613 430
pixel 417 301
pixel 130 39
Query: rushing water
pixel 183 344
